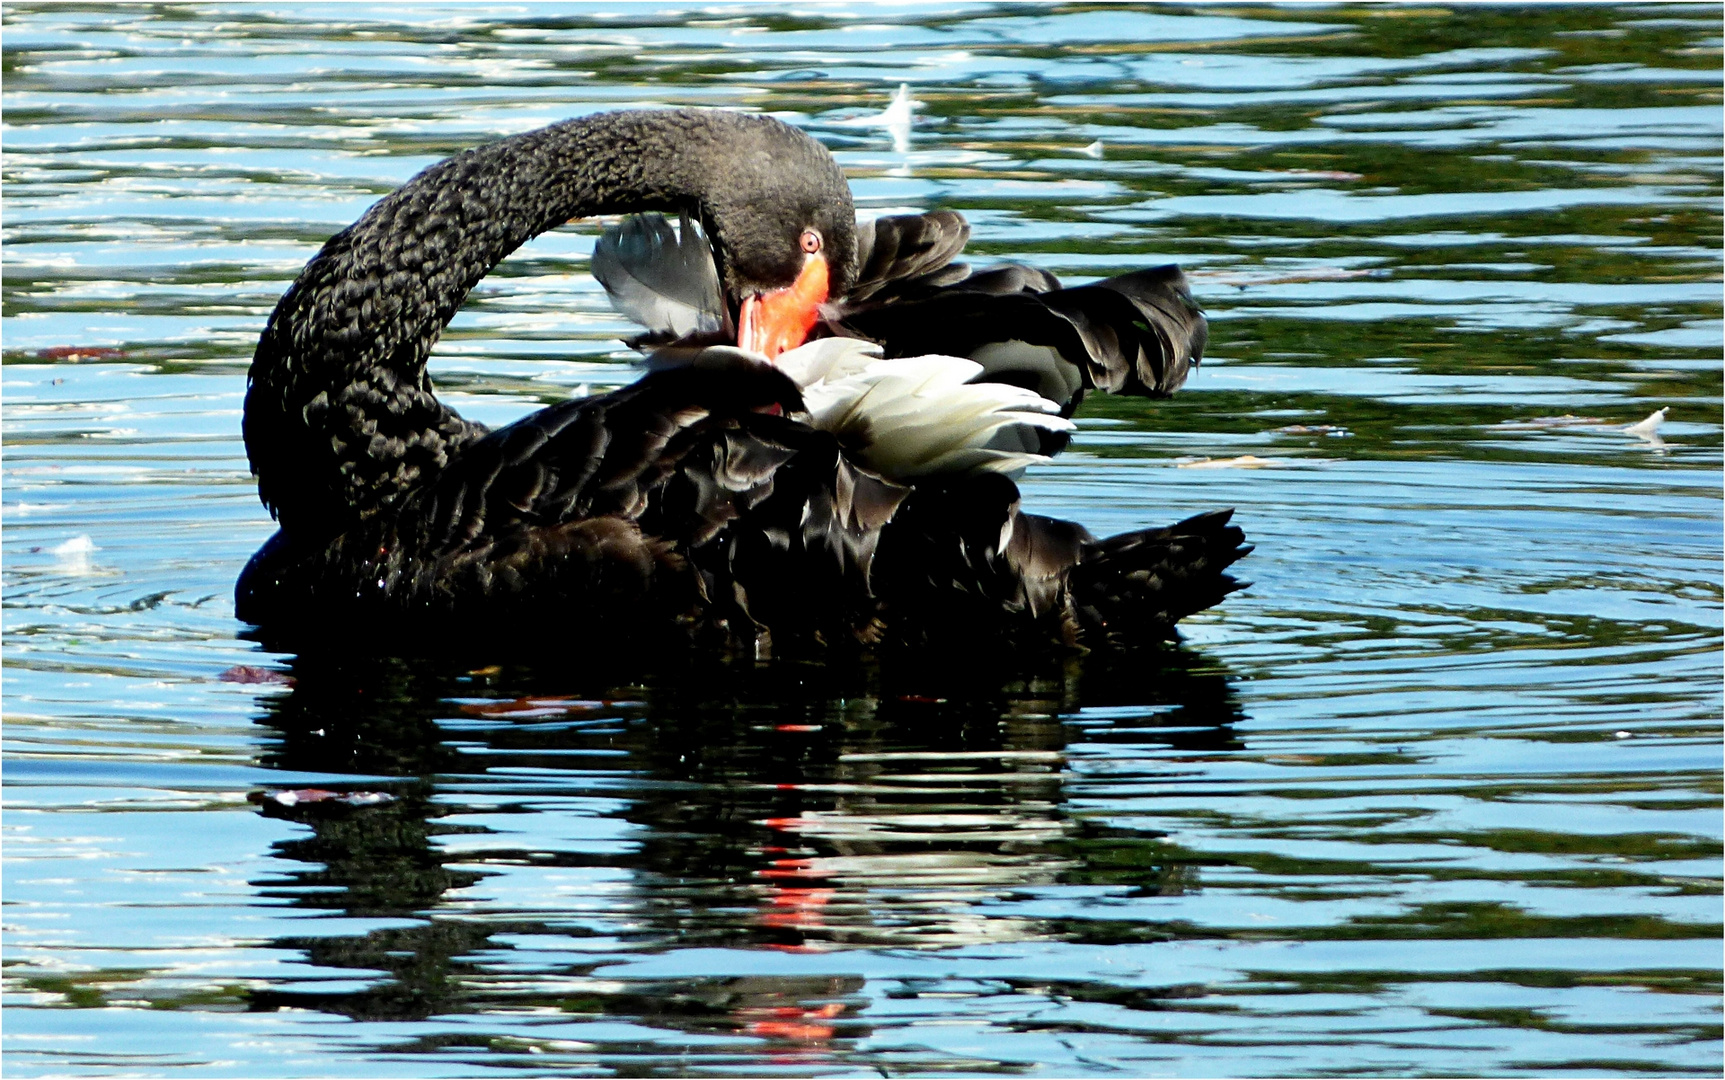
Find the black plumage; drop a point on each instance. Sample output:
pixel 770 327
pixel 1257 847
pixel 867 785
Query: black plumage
pixel 1138 333
pixel 691 504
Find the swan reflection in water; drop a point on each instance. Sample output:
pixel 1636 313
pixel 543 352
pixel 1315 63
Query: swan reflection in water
pixel 550 824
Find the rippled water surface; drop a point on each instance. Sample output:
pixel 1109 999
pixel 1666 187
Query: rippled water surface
pixel 1440 794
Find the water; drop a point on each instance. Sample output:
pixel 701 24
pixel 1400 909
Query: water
pixel 1439 795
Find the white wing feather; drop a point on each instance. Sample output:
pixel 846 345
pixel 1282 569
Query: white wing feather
pixel 913 417
pixel 827 360
pixel 922 415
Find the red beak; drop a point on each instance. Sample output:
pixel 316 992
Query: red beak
pixel 781 320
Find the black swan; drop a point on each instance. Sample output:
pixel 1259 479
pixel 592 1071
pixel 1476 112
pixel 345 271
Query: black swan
pixel 698 502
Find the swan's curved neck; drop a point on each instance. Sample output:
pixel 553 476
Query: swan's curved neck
pixel 340 416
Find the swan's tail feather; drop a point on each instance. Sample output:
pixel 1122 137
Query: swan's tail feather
pixel 961 569
pixel 1135 586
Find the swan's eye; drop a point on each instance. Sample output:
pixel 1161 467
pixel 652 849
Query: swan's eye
pixel 811 241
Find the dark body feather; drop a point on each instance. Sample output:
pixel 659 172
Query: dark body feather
pixel 1136 333
pixel 690 505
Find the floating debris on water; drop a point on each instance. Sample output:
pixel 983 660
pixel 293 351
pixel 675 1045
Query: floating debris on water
pixel 1648 430
pixel 1649 426
pixel 73 556
pixel 1247 461
pixel 1538 422
pixel 896 119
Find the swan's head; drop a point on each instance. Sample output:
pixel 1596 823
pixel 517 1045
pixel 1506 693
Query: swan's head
pixel 783 229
